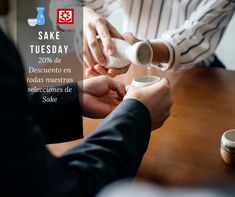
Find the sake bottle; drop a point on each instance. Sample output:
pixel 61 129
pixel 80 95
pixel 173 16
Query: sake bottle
pixel 40 16
pixel 141 54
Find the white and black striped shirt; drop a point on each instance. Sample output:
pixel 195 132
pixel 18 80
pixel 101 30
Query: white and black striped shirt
pixel 191 29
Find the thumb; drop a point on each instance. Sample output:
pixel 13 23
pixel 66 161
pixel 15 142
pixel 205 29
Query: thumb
pixel 130 38
pixel 114 32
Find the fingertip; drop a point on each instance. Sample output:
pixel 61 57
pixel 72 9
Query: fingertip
pixel 165 81
pixel 86 65
pixel 130 38
pixel 110 71
pixel 93 72
pixel 115 71
pixel 121 90
pixel 110 51
pixel 127 34
pixel 101 70
pixel 102 61
pixel 87 72
pixel 114 32
pixel 110 48
pixel 111 75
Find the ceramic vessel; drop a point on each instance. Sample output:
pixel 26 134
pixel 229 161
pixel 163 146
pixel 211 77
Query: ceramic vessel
pixel 140 54
pixel 144 81
pixel 40 16
pixel 32 22
pixel 227 148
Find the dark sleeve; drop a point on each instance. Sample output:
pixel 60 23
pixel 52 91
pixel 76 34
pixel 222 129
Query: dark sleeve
pixel 112 152
pixel 60 121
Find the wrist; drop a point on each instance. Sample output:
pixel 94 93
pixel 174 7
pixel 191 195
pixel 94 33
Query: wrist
pixel 160 52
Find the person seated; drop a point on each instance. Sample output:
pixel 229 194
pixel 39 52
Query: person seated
pixel 114 151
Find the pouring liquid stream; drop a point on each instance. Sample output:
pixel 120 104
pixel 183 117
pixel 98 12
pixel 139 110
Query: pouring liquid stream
pixel 149 71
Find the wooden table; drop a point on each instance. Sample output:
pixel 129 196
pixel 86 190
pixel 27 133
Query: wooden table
pixel 185 151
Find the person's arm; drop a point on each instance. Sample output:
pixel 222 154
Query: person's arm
pixel 112 152
pixel 199 36
pixel 93 98
pixel 91 22
pixel 61 120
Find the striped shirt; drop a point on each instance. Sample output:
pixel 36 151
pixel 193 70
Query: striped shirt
pixel 191 29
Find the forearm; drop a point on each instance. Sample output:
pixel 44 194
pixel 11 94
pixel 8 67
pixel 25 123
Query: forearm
pixel 197 38
pixel 114 151
pixel 160 52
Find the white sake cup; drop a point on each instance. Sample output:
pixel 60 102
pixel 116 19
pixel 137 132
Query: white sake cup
pixel 227 148
pixel 144 81
pixel 32 22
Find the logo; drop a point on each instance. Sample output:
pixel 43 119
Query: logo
pixel 65 16
pixel 39 20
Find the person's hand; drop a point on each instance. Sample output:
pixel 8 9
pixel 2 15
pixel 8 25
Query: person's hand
pixel 97 70
pixel 130 38
pixel 91 53
pixel 98 96
pixel 157 98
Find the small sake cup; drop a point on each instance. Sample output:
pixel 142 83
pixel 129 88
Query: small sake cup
pixel 227 148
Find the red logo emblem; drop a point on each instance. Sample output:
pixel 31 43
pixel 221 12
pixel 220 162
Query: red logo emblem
pixel 65 16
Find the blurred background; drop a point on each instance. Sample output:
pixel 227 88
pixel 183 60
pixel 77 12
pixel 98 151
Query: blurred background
pixel 225 50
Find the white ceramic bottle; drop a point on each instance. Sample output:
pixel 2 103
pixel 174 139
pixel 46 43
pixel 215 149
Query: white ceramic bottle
pixel 140 54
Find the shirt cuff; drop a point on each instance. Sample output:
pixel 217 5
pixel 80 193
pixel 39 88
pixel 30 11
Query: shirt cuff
pixel 173 63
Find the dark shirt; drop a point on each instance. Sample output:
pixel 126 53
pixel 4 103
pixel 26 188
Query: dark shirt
pixel 27 168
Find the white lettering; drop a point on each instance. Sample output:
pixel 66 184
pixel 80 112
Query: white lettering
pixel 48 49
pixel 49 35
pixel 40 35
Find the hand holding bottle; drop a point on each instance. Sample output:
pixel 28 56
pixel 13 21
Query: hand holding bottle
pixel 92 55
pixel 98 96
